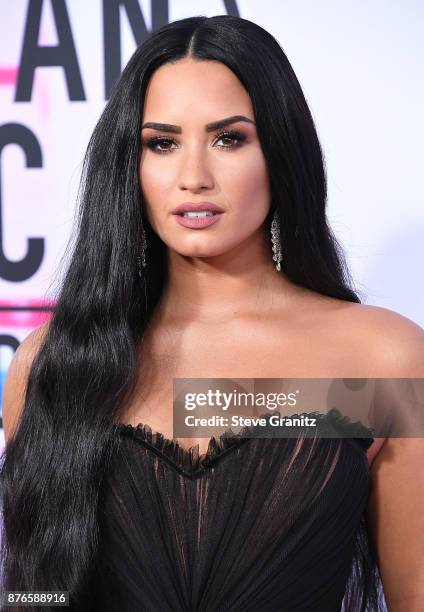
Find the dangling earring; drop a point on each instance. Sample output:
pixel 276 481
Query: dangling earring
pixel 275 239
pixel 141 260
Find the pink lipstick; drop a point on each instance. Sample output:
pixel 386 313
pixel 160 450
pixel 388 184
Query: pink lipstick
pixel 197 216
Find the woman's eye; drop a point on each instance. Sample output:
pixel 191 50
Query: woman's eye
pixel 154 143
pixel 234 136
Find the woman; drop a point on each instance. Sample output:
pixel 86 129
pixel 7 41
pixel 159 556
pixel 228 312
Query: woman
pixel 124 517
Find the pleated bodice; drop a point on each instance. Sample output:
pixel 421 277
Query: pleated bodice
pixel 252 525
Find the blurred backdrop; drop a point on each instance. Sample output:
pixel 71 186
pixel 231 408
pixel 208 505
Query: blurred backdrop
pixel 360 64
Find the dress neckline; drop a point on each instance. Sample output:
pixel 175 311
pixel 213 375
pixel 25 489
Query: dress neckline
pixel 188 462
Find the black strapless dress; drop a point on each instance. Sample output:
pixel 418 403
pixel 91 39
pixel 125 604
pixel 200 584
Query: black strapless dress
pixel 252 525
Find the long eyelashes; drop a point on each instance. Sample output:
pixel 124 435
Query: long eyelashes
pixel 238 137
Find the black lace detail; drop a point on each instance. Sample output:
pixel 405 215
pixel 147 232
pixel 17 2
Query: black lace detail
pixel 188 461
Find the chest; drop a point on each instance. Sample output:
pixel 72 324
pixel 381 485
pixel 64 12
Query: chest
pixel 238 351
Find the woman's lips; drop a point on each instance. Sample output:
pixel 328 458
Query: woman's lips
pixel 198 222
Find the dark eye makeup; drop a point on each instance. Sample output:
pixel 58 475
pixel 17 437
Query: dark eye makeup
pixel 234 135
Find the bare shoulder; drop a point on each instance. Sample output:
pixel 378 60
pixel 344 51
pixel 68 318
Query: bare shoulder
pixel 16 379
pixel 394 342
pixel 376 342
pixel 394 345
pixel 386 343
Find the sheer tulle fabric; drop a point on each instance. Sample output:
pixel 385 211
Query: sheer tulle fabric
pixel 252 525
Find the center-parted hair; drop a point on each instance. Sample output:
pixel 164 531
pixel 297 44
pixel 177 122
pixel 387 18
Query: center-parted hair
pixel 86 369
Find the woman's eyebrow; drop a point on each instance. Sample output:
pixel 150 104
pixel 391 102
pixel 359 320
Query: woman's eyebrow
pixel 209 127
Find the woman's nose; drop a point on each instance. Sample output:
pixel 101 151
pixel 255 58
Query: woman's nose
pixel 195 172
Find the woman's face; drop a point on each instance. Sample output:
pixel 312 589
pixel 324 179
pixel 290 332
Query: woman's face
pixel 199 165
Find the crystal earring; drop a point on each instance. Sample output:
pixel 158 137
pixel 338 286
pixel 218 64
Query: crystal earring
pixel 141 260
pixel 275 239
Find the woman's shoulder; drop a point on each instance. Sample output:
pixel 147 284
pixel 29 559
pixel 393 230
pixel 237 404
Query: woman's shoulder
pixel 17 376
pixel 378 342
pixel 387 343
pixel 394 342
pixel 30 345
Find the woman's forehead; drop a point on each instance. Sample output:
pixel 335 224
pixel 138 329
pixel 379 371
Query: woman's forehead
pixel 194 90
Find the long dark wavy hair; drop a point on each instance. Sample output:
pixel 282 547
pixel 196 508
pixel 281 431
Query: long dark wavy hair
pixel 86 368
